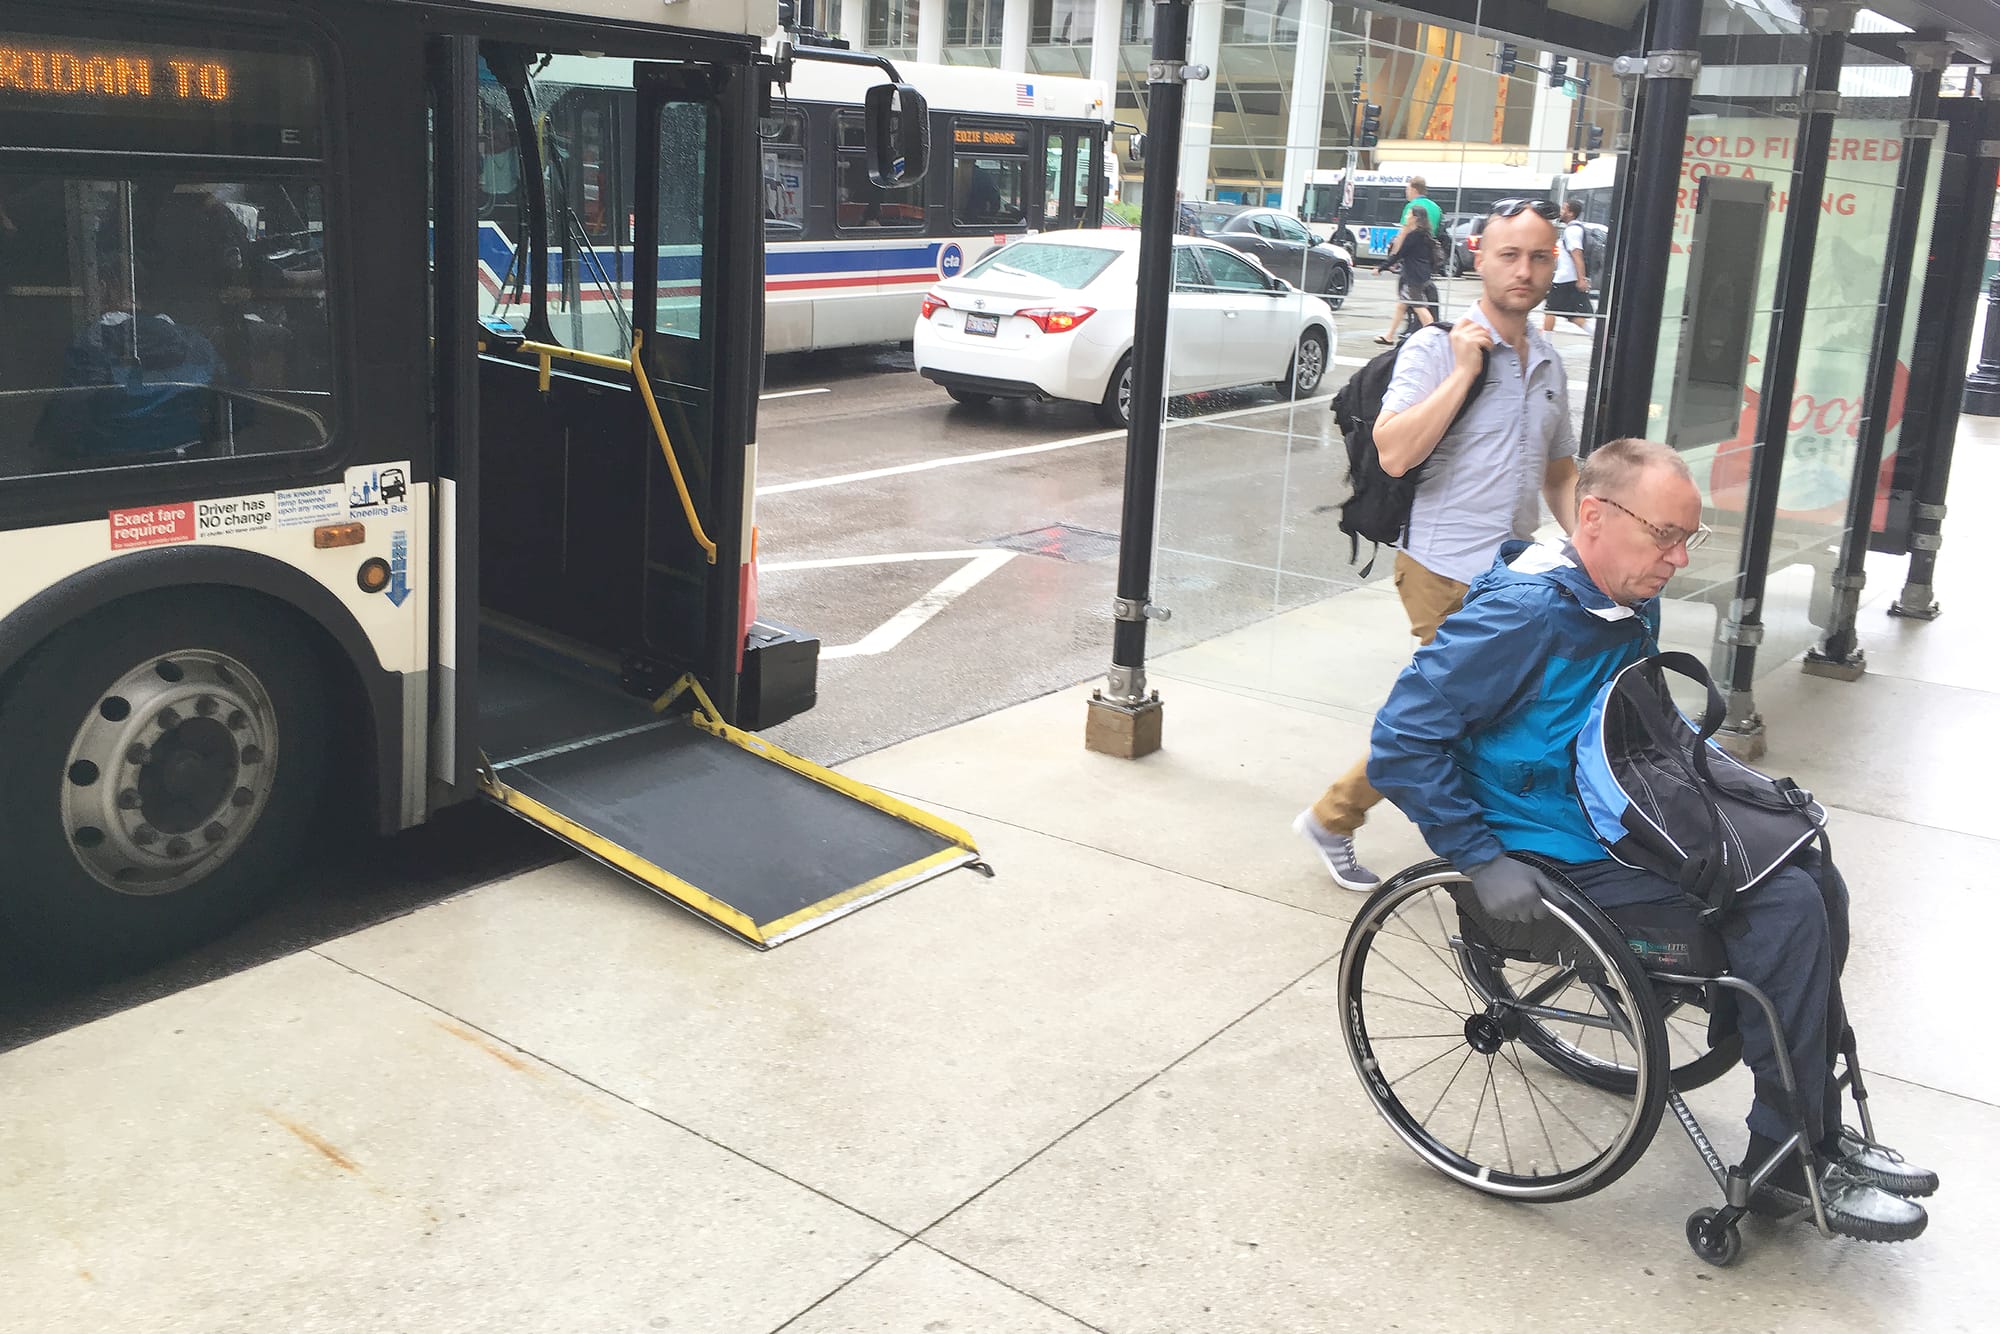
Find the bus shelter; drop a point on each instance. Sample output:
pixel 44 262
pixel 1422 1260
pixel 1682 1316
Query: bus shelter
pixel 1809 362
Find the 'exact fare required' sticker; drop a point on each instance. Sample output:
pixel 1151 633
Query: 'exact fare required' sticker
pixel 153 526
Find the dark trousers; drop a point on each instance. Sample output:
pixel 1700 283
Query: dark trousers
pixel 1793 949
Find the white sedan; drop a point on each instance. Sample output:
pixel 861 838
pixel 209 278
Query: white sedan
pixel 1052 317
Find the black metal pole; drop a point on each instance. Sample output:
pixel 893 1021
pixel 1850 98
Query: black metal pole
pixel 1839 655
pixel 1646 228
pixel 1927 514
pixel 1159 221
pixel 1982 386
pixel 1743 628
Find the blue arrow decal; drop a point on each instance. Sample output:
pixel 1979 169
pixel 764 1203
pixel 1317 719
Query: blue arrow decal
pixel 399 567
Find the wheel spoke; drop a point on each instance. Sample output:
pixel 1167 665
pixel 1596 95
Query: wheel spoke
pixel 1447 1088
pixel 1406 973
pixel 1426 1065
pixel 1554 1156
pixel 1500 1117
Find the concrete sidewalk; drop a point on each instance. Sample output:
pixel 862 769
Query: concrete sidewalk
pixel 1103 1091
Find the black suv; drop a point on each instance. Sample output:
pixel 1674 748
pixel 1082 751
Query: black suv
pixel 1281 243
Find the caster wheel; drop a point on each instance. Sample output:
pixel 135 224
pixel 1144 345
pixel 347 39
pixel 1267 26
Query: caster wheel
pixel 1713 1240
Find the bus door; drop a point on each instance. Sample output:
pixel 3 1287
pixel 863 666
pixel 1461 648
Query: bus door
pixel 612 653
pixel 1074 196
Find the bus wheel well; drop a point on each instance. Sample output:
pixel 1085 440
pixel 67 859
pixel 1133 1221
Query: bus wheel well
pixel 354 745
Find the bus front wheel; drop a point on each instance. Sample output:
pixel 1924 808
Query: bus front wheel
pixel 162 763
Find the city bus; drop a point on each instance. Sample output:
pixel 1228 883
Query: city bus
pixel 847 263
pixel 290 534
pixel 1380 196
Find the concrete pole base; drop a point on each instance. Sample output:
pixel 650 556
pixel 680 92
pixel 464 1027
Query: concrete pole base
pixel 1851 668
pixel 1744 740
pixel 1918 608
pixel 1128 731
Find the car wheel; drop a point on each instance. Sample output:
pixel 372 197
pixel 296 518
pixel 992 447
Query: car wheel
pixel 969 398
pixel 1308 366
pixel 1338 284
pixel 1116 407
pixel 162 761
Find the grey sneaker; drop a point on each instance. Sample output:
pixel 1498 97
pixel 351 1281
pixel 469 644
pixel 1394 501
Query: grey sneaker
pixel 1337 851
pixel 1879 1165
pixel 1854 1207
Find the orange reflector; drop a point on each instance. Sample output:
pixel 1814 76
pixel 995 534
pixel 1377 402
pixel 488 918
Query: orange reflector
pixel 373 576
pixel 328 536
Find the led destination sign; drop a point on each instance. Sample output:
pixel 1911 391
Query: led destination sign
pixel 96 96
pixel 59 72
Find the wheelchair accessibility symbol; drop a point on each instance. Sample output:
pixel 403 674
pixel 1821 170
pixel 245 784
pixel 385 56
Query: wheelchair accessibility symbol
pixel 950 260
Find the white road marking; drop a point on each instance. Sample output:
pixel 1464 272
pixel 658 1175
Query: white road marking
pixel 978 564
pixel 989 456
pixel 790 393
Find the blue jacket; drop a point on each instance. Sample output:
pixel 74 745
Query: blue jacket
pixel 1474 743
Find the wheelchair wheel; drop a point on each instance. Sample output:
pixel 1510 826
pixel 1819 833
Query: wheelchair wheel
pixel 1440 1044
pixel 1583 1053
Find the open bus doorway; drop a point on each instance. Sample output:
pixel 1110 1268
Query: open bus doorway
pixel 616 678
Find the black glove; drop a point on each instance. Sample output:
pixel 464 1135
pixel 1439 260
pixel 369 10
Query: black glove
pixel 1509 891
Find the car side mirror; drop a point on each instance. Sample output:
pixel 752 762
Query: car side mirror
pixel 899 135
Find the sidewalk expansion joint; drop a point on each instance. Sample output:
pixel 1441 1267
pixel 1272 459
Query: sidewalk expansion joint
pixel 1122 1098
pixel 1120 856
pixel 950 1258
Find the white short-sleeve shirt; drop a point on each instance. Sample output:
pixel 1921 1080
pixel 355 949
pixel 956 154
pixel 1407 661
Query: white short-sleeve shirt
pixel 1482 484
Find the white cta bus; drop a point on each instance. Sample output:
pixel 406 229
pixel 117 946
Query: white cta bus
pixel 847 260
pixel 287 531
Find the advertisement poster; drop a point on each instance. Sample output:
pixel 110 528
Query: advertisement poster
pixel 1848 265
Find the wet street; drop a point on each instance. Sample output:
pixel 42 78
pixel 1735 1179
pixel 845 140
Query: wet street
pixel 951 560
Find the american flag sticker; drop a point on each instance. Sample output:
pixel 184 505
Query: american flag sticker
pixel 1024 95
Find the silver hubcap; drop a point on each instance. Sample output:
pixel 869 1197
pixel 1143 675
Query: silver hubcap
pixel 1312 364
pixel 1125 394
pixel 169 772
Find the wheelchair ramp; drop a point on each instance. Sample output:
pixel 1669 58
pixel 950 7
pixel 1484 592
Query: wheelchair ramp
pixel 762 843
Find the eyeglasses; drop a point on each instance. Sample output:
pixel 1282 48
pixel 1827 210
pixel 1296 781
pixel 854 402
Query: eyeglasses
pixel 1514 208
pixel 1667 538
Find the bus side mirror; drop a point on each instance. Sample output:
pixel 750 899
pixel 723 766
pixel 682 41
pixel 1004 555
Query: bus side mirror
pixel 1136 148
pixel 899 135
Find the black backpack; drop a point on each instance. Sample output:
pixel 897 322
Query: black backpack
pixel 1378 511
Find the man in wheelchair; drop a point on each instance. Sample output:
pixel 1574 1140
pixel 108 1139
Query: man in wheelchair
pixel 1474 745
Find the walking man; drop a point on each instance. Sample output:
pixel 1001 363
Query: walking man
pixel 1569 297
pixel 1482 478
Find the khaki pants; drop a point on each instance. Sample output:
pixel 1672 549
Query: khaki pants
pixel 1427 599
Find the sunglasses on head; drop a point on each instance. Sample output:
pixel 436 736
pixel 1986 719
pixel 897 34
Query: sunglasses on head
pixel 1514 208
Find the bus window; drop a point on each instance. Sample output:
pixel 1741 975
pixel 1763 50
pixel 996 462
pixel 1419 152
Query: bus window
pixel 861 202
pixel 784 140
pixel 163 311
pixel 989 174
pixel 683 164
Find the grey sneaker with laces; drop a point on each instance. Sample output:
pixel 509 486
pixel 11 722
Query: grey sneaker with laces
pixel 1854 1207
pixel 1879 1165
pixel 1337 851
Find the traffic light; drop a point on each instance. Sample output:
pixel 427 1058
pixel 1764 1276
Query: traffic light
pixel 1593 141
pixel 1369 132
pixel 1558 71
pixel 1510 56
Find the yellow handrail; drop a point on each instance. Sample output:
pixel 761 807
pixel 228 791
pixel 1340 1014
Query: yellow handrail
pixel 546 353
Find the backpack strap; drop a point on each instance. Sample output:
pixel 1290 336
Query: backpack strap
pixel 1700 877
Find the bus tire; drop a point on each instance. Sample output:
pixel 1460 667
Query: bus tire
pixel 1115 409
pixel 162 763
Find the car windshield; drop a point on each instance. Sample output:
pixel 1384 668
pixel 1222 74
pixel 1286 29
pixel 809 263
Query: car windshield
pixel 1212 224
pixel 1067 266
